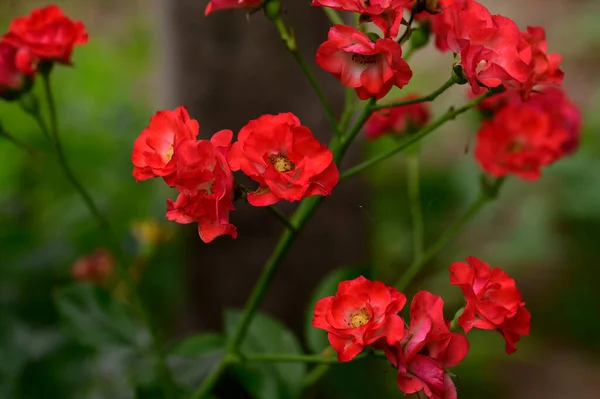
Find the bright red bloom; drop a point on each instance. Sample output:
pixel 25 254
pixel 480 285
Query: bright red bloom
pixel 12 80
pixel 205 183
pixel 360 313
pixel 371 68
pixel 154 151
pixel 46 34
pixel 216 5
pixel 544 68
pixel 493 301
pixel 397 119
pixel 522 137
pixel 386 14
pixel 427 350
pixel 284 158
pixel 95 268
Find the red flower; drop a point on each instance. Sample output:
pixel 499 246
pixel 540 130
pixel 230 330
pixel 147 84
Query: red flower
pixel 284 158
pixel 371 68
pixel 427 350
pixel 543 68
pixel 386 14
pixel 46 34
pixel 95 268
pixel 360 313
pixel 493 301
pixel 154 151
pixel 205 183
pixel 397 119
pixel 13 81
pixel 216 5
pixel 522 137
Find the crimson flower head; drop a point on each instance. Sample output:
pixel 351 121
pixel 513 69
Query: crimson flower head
pixel 154 151
pixel 360 313
pixel 45 35
pixel 427 350
pixel 95 268
pixel 386 14
pixel 397 120
pixel 205 185
pixel 522 137
pixel 370 67
pixel 216 5
pixel 493 301
pixel 284 158
pixel 13 81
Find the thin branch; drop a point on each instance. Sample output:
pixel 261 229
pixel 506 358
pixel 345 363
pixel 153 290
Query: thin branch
pixel 334 16
pixel 428 98
pixel 281 217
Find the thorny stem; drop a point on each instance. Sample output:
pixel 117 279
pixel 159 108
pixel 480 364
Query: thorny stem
pixel 413 138
pixel 290 43
pixel 428 98
pixel 161 366
pixel 486 195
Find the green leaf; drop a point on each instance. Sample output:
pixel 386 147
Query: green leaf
pixel 193 358
pixel 267 335
pixel 316 339
pixel 92 317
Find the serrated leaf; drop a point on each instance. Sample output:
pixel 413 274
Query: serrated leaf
pixel 92 317
pixel 267 335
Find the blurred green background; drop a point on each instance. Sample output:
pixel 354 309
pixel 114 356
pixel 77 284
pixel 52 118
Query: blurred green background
pixel 545 234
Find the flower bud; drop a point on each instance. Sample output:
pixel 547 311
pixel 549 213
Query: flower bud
pixel 272 9
pixel 458 74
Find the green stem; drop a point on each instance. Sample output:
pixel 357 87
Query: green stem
pixel 348 138
pixel 281 217
pixel 333 16
pixel 451 114
pixel 430 97
pixel 484 197
pixel 289 358
pixel 290 43
pixel 17 142
pixel 412 163
pixel 161 365
pixel 348 107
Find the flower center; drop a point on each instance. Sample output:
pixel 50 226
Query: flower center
pixel 359 319
pixel 281 163
pixel 169 153
pixel 515 147
pixel 363 59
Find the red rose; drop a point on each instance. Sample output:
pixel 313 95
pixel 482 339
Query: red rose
pixel 543 68
pixel 46 34
pixel 216 5
pixel 493 301
pixel 371 68
pixel 427 350
pixel 386 14
pixel 95 268
pixel 284 158
pixel 360 313
pixel 522 137
pixel 154 150
pixel 397 119
pixel 12 80
pixel 205 183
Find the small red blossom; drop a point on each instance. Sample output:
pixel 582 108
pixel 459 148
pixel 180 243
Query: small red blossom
pixel 13 81
pixel 386 14
pixel 205 185
pixel 154 151
pixel 95 268
pixel 371 68
pixel 47 35
pixel 522 137
pixel 216 5
pixel 360 313
pixel 427 350
pixel 284 158
pixel 397 120
pixel 493 301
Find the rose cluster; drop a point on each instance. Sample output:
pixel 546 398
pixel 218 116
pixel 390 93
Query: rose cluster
pixel 43 37
pixel 275 151
pixel 365 313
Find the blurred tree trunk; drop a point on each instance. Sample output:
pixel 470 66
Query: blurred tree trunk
pixel 228 70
